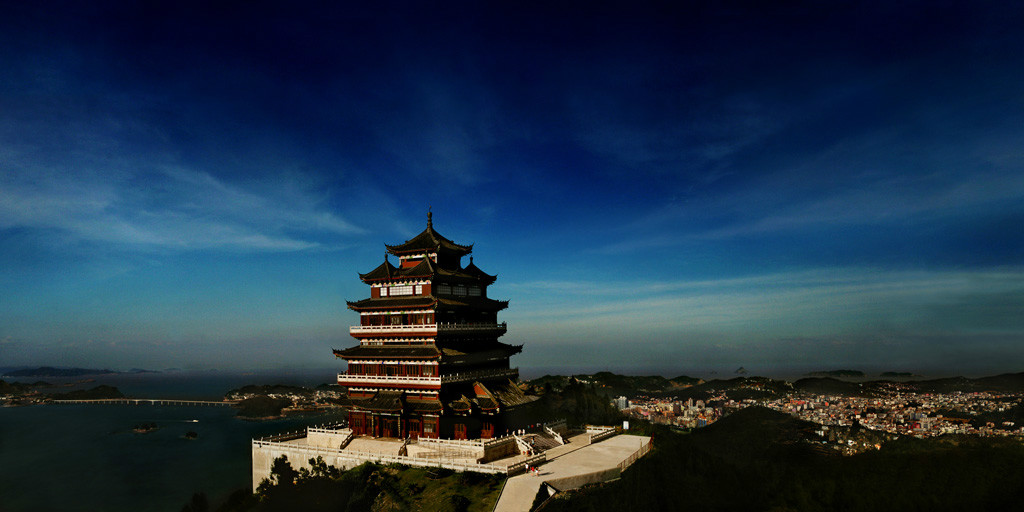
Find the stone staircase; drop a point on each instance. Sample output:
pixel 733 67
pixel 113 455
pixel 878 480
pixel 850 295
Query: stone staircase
pixel 543 442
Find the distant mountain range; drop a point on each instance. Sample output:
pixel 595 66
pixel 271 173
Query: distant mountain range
pixel 49 371
pixel 837 373
pixel 737 388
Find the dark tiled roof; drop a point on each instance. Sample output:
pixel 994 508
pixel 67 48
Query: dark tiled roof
pixel 428 240
pixel 472 270
pixel 423 406
pixel 509 394
pixel 460 405
pixel 484 398
pixel 426 269
pixel 427 301
pixel 486 403
pixel 474 302
pixel 385 271
pixel 393 302
pixel 384 401
pixel 452 355
pixel 388 352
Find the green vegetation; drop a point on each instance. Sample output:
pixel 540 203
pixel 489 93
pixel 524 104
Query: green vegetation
pixel 97 393
pixel 259 407
pixel 20 388
pixel 579 404
pixel 758 459
pixel 367 487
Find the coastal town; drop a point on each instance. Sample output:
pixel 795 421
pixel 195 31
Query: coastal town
pixel 895 409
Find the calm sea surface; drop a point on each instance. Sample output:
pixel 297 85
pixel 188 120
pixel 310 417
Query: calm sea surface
pixel 88 458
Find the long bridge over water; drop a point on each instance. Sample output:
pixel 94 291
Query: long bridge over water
pixel 146 401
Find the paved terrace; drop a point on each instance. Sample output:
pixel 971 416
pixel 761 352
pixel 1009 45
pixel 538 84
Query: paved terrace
pixel 613 453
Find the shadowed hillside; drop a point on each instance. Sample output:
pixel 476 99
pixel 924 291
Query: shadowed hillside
pixel 757 459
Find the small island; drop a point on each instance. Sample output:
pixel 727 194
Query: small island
pixel 262 407
pixel 145 428
pixel 899 375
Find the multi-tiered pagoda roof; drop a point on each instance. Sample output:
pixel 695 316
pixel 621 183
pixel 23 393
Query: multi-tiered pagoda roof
pixel 429 362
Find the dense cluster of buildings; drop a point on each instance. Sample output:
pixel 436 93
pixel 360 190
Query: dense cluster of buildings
pixel 909 413
pixel 899 410
pixel 669 411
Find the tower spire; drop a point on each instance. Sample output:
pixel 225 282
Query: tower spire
pixel 430 218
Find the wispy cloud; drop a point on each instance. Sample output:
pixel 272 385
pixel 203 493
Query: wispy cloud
pixel 172 208
pixel 880 179
pixel 121 172
pixel 815 302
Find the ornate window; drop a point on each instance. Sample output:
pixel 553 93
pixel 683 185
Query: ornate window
pixel 401 290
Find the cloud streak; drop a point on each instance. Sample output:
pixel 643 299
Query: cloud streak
pixel 173 208
pixel 825 302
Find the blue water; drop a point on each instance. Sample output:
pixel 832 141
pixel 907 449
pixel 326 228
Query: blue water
pixel 88 458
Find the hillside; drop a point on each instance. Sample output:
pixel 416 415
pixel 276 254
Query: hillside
pixel 613 384
pixel 779 464
pixel 1007 383
pixel 829 386
pixel 96 393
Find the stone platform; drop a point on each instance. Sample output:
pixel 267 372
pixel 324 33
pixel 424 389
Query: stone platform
pixel 571 468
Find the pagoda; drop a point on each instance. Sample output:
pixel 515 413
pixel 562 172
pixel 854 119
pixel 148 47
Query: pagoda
pixel 428 362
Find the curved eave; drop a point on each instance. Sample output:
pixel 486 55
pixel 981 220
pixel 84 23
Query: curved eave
pixel 479 303
pixel 450 247
pixel 384 352
pixel 473 270
pixel 428 240
pixel 389 303
pixel 383 271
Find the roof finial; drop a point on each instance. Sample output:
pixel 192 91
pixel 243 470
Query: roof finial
pixel 430 218
pixel 470 259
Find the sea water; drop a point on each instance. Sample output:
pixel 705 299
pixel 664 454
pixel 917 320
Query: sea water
pixel 88 457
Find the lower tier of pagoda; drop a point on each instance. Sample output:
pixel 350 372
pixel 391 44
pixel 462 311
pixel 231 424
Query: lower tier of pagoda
pixel 459 410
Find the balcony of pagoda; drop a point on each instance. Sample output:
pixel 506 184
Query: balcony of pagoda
pixel 472 328
pixel 400 329
pixel 430 329
pixel 389 381
pixel 480 375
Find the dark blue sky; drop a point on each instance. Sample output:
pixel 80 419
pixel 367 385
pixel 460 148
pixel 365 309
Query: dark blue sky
pixel 676 186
